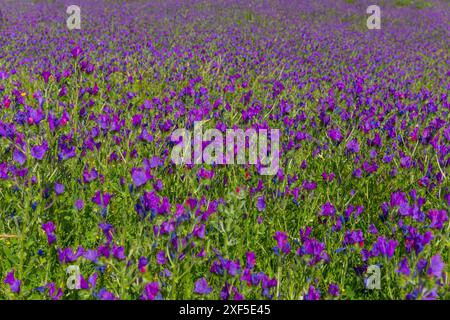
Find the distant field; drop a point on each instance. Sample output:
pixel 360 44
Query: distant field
pixel 92 205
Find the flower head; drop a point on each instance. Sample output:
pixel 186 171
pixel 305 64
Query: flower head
pixel 201 286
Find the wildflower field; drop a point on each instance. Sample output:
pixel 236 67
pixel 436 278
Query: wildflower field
pixel 93 207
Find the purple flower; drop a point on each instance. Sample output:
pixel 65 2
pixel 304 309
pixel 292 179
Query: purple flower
pixel 277 88
pixel 89 176
pixel 14 284
pixel 103 294
pixel 415 240
pixel 436 266
pixel 199 231
pixel 353 146
pixel 91 255
pixel 67 255
pixel 107 230
pixel 83 283
pixel 225 292
pixel 93 280
pixel 154 162
pixel 312 294
pixel 59 188
pixel 142 264
pixel 150 291
pixel 309 185
pixel 251 259
pixel 201 286
pixel 373 229
pixel 46 75
pixel 282 242
pixel 316 251
pixel 438 218
pixel 164 208
pixel 335 135
pixel 49 229
pixel 101 199
pixel 19 156
pixel 403 267
pixel 232 267
pixel 38 152
pixel 104 250
pixel 237 295
pixel 118 252
pixel 160 257
pixel 333 289
pixel 327 210
pixel 76 52
pixel 79 204
pixel 421 265
pixel 261 204
pixel 397 198
pixel 140 176
pixel 381 247
pixel 52 292
pixel 431 295
pixel 352 237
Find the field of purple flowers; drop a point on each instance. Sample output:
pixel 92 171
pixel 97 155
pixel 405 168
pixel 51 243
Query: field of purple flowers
pixel 86 177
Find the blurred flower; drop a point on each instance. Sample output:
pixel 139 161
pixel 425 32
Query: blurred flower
pixel 49 228
pixel 333 289
pixel 201 286
pixel 150 291
pixel 436 266
pixel 14 284
pixel 261 204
